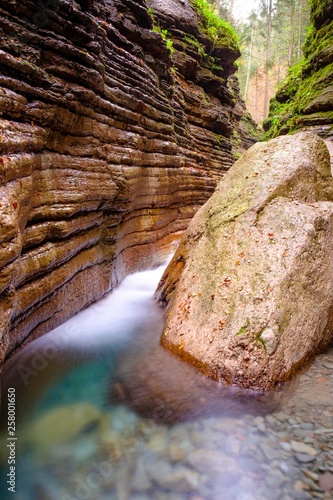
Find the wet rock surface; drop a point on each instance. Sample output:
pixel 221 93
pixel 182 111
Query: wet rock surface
pixel 249 287
pixel 107 151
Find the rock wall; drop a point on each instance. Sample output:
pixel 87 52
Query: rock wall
pixel 108 147
pixel 305 99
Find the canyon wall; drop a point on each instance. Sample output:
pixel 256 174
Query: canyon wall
pixel 110 141
pixel 305 99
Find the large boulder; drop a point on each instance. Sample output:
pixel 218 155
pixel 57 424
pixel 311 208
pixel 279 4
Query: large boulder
pixel 250 288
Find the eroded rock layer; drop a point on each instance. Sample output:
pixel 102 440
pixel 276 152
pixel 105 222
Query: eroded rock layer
pixel 107 151
pixel 249 290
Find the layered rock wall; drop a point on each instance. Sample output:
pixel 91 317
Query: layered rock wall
pixel 107 150
pixel 305 99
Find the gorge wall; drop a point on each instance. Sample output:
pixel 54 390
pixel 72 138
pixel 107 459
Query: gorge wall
pixel 109 144
pixel 305 99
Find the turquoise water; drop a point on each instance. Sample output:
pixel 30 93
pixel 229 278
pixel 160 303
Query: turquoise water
pixel 103 412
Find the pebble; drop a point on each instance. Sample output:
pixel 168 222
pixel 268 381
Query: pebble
pixel 299 486
pixel 300 447
pixel 275 480
pixel 285 446
pixel 326 481
pixel 304 458
pixel 311 475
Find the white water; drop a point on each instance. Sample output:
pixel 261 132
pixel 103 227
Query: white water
pixel 112 320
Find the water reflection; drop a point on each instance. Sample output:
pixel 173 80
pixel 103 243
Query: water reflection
pixel 105 413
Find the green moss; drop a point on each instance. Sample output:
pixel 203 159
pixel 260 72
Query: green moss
pixel 299 92
pixel 163 32
pixel 217 30
pixel 204 99
pixel 297 100
pixel 261 340
pixel 191 40
pixel 243 328
pixel 166 37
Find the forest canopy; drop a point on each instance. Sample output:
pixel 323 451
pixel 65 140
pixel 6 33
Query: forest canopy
pixel 271 40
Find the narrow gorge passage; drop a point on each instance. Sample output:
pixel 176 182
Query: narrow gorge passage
pixel 105 413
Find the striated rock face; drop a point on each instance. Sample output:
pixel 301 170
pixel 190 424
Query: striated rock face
pixel 107 150
pixel 305 100
pixel 250 288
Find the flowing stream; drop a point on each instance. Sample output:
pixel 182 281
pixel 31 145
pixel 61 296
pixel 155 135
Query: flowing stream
pixel 104 413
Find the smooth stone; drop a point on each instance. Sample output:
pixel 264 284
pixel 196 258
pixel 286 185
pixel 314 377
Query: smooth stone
pixel 300 486
pixel 302 448
pixel 269 452
pixel 207 460
pixel 157 443
pixel 177 453
pixel 326 481
pixel 140 481
pixel 301 433
pixel 177 479
pixel 270 419
pixel 307 426
pixel 304 458
pixel 282 417
pixel 275 480
pixel 285 446
pixel 301 495
pixel 63 423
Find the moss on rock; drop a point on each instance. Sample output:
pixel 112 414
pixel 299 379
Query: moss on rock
pixel 305 98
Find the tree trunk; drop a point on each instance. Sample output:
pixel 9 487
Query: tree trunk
pixel 249 62
pixel 256 105
pixel 292 33
pixel 268 55
pixel 300 29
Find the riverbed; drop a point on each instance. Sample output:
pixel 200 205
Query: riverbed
pixel 103 412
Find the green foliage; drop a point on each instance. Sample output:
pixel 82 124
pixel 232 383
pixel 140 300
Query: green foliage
pixel 164 33
pixel 299 90
pixel 259 65
pixel 191 40
pixel 217 30
pixel 166 37
pixel 299 99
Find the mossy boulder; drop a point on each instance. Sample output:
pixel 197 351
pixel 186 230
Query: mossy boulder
pixel 249 292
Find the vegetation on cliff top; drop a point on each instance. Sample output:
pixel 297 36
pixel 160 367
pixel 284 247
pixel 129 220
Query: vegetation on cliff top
pixel 217 30
pixel 303 96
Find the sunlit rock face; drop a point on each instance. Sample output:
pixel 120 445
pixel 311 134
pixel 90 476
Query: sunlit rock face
pixel 250 288
pixel 107 151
